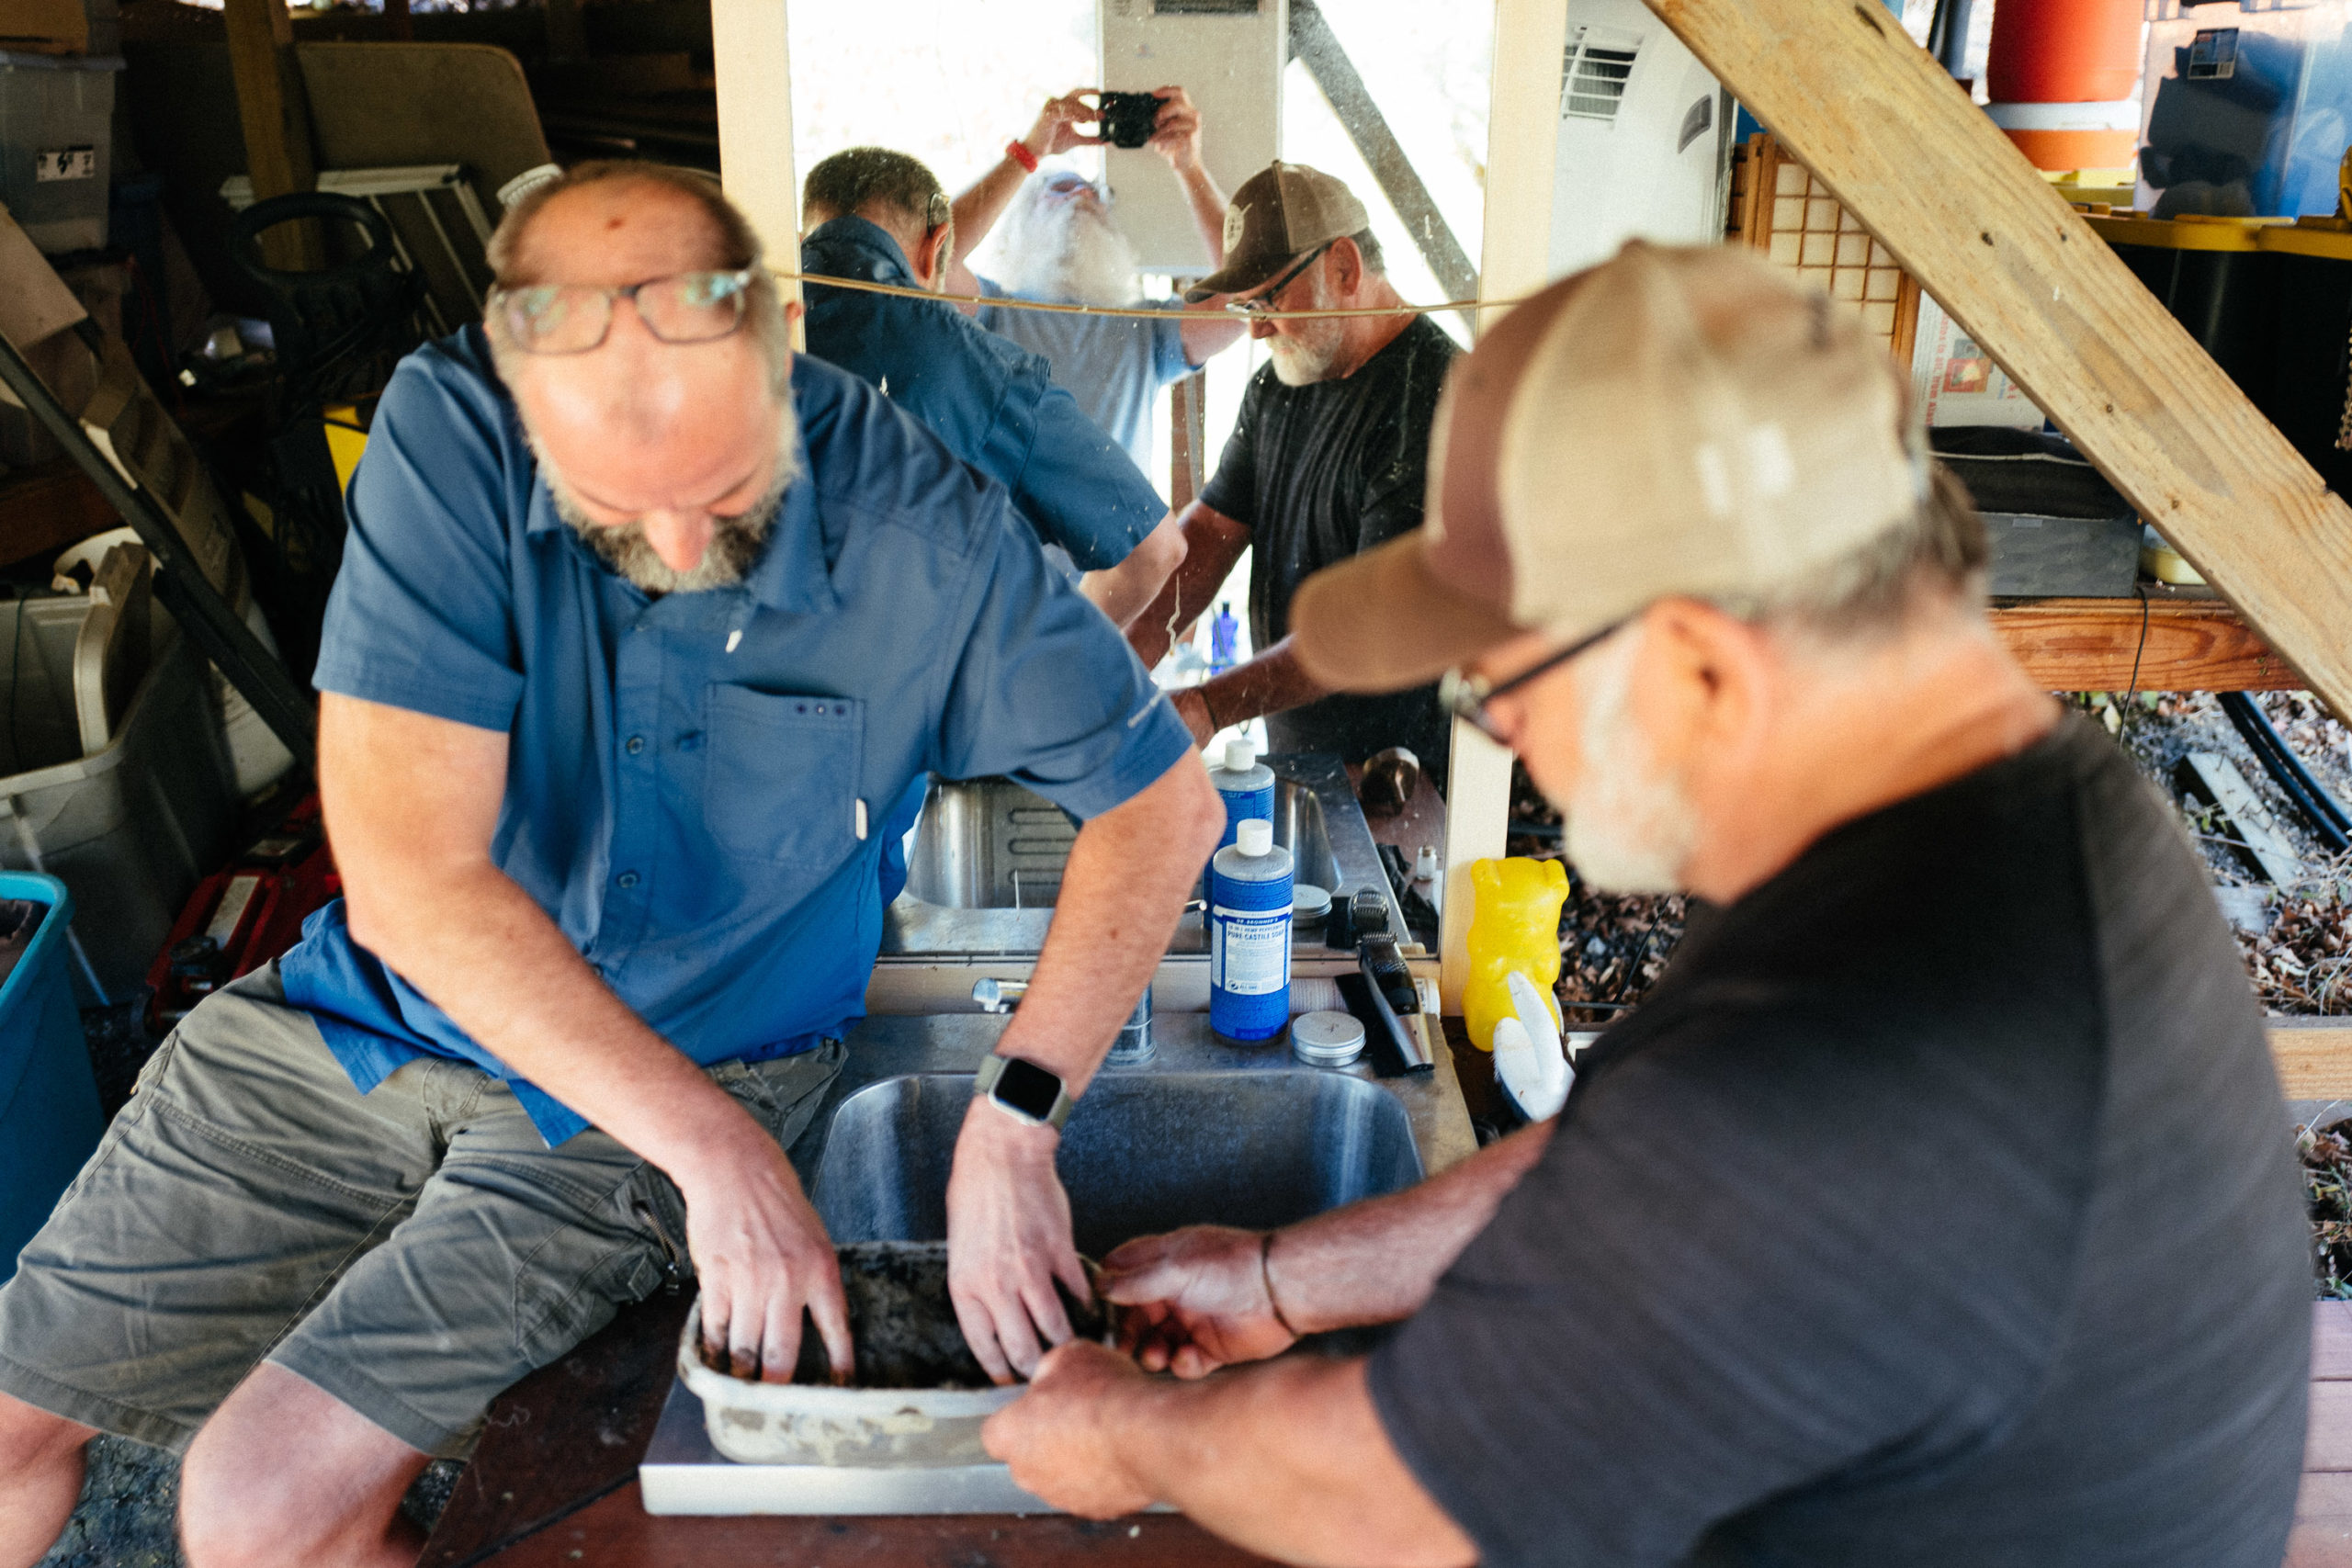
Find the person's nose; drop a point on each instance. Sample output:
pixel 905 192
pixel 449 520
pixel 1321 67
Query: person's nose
pixel 679 537
pixel 1261 327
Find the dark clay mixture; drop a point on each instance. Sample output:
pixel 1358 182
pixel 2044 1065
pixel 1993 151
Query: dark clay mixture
pixel 904 1324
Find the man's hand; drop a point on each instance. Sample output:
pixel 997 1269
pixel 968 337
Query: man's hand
pixel 1176 133
pixel 762 1256
pixel 1052 1437
pixel 1008 1241
pixel 1199 1299
pixel 1056 129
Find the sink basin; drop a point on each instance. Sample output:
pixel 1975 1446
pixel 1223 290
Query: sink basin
pixel 1146 1153
pixel 990 844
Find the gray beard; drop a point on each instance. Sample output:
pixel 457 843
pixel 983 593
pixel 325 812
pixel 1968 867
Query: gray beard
pixel 1306 356
pixel 1071 254
pixel 1631 828
pixel 735 542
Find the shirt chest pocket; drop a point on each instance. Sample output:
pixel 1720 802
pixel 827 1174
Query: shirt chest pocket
pixel 780 774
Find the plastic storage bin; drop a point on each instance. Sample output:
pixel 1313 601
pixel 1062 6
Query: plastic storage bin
pixel 56 119
pixel 130 827
pixel 49 1102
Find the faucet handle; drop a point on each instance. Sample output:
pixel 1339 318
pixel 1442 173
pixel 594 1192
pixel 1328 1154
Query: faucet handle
pixel 999 996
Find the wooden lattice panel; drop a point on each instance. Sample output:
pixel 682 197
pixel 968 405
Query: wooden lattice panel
pixel 1779 208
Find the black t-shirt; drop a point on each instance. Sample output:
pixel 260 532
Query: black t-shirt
pixel 1937 1209
pixel 1318 474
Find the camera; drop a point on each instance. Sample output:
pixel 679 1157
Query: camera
pixel 1128 118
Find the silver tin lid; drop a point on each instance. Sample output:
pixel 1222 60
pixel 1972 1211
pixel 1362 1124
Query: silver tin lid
pixel 1309 903
pixel 1326 1039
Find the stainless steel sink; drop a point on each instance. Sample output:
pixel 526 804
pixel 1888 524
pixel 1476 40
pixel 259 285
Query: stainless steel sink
pixel 1146 1153
pixel 990 844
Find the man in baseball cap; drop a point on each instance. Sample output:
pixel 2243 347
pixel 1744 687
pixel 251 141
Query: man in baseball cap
pixel 1933 1208
pixel 1328 457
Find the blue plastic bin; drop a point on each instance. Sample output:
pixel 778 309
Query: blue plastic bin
pixel 49 1102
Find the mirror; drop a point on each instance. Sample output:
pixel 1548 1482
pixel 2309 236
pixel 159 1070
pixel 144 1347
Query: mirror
pixel 1389 97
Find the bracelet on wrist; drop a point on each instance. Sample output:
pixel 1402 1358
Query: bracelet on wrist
pixel 1266 1278
pixel 1018 150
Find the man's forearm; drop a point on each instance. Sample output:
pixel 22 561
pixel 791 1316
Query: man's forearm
pixel 483 951
pixel 983 202
pixel 1287 1458
pixel 1212 542
pixel 1122 894
pixel 1377 1261
pixel 1273 681
pixel 1207 203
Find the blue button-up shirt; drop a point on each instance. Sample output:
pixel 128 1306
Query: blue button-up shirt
pixel 992 402
pixel 696 784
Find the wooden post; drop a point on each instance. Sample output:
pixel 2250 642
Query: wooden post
pixel 1188 406
pixel 1530 41
pixel 398 23
pixel 276 118
pixel 753 57
pixel 1881 124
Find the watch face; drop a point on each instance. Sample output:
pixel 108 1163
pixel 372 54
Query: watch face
pixel 1028 1089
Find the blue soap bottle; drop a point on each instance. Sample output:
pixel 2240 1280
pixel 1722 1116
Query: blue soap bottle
pixel 1246 785
pixel 1250 933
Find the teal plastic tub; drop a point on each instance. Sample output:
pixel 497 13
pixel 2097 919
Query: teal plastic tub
pixel 49 1102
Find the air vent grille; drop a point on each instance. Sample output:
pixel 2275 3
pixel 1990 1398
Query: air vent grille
pixel 1593 81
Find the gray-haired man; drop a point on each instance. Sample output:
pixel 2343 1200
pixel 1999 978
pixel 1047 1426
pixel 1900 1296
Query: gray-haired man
pixel 1936 1206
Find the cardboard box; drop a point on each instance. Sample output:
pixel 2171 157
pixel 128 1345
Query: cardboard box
pixel 44 27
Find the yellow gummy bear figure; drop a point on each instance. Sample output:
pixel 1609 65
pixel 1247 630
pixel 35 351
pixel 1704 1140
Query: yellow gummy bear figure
pixel 1515 925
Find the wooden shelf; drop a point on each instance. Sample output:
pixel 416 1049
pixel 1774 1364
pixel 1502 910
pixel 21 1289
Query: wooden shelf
pixel 46 507
pixel 2179 644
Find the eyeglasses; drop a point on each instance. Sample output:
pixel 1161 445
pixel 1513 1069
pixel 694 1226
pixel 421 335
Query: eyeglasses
pixel 1466 696
pixel 1260 304
pixel 556 318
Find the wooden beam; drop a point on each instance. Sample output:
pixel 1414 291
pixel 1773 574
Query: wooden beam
pixel 2313 1058
pixel 276 118
pixel 2116 645
pixel 1881 124
pixel 752 55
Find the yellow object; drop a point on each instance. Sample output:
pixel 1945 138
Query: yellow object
pixel 345 441
pixel 1515 924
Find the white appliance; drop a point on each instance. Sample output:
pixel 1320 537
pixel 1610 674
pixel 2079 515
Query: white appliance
pixel 1644 137
pixel 1229 54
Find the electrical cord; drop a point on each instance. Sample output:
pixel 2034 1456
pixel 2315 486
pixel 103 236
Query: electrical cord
pixel 2310 798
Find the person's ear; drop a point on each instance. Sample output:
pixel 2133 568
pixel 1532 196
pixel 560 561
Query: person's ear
pixel 793 310
pixel 1701 683
pixel 938 250
pixel 1347 265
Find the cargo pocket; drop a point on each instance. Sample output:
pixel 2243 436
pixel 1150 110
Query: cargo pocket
pixel 780 774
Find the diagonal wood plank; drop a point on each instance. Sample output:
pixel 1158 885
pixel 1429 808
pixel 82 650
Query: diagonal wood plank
pixel 1879 122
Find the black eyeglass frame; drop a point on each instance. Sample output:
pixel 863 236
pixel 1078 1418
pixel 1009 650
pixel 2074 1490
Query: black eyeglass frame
pixel 1264 303
pixel 1465 695
pixel 740 278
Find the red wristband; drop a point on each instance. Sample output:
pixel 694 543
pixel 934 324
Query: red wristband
pixel 1018 150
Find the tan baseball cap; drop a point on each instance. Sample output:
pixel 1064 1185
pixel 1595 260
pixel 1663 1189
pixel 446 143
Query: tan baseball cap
pixel 1280 213
pixel 1672 422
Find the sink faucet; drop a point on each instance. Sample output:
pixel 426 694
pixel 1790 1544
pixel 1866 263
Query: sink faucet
pixel 1134 1044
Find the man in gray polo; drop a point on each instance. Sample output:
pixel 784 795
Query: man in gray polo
pixel 1935 1207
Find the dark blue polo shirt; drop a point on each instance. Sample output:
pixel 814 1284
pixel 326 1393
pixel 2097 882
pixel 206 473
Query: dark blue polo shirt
pixel 697 784
pixel 992 402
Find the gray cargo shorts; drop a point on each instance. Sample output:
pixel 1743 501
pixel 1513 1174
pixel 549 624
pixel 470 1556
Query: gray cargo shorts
pixel 411 1251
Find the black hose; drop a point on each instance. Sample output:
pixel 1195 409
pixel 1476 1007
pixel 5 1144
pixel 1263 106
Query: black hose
pixel 2310 797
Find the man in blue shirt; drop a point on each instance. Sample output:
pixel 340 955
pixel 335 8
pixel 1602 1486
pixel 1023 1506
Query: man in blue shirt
pixel 1055 241
pixel 881 217
pixel 640 622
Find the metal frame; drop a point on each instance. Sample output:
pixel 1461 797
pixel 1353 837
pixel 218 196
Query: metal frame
pixel 418 180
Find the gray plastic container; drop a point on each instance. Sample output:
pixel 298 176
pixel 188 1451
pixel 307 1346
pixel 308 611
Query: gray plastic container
pixel 131 827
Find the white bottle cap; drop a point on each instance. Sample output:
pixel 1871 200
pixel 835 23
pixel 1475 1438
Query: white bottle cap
pixel 1255 836
pixel 1240 756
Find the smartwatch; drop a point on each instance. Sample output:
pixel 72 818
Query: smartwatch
pixel 1025 1091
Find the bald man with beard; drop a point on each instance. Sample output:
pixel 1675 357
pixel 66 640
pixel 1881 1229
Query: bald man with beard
pixel 642 621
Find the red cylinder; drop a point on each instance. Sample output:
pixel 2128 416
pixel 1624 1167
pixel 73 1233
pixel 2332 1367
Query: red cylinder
pixel 2064 52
